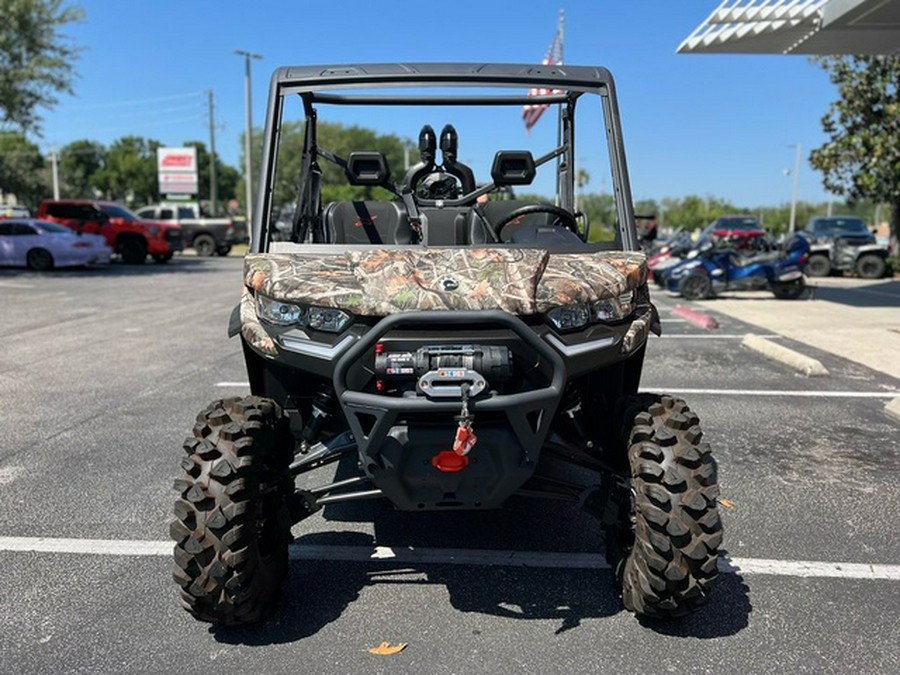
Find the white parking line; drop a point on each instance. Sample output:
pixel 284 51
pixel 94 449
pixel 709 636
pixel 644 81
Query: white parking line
pixel 780 392
pixel 715 336
pixel 715 392
pixel 453 556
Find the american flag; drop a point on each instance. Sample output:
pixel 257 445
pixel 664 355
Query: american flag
pixel 531 112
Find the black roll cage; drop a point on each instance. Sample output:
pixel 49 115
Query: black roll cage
pixel 315 84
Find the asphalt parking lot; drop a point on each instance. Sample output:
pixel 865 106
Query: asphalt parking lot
pixel 102 372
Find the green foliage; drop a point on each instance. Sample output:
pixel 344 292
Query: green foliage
pixel 861 160
pixel 21 169
pixel 36 59
pixel 78 162
pixel 339 140
pixel 227 177
pixel 130 174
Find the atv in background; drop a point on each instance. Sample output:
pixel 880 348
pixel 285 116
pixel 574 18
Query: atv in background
pixel 844 244
pixel 456 352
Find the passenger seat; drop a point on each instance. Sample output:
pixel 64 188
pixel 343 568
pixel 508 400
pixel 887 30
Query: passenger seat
pixel 367 222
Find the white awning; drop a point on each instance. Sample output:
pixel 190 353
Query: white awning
pixel 799 27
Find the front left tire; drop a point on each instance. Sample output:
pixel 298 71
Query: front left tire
pixel 232 523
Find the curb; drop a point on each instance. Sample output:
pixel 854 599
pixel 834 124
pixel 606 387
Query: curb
pixel 892 409
pixel 696 317
pixel 804 364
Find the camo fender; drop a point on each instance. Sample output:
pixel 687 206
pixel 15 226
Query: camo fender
pixel 572 278
pixel 251 329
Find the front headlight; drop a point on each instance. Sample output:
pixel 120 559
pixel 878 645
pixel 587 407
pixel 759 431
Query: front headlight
pixel 570 317
pixel 614 309
pixel 278 313
pixel 577 316
pixel 327 319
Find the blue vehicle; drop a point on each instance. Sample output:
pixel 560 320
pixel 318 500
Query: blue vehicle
pixel 715 269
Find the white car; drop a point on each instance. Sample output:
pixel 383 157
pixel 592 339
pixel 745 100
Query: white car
pixel 41 245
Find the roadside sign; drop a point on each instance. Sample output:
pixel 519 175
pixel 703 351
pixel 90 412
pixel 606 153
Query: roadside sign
pixel 177 171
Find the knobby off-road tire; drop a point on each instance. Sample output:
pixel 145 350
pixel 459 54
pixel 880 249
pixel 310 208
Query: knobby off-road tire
pixel 232 524
pixel 665 548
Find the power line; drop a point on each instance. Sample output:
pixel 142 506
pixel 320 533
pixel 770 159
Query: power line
pixel 136 128
pixel 155 112
pixel 136 101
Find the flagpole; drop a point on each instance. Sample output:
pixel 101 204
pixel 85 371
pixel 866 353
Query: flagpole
pixel 559 110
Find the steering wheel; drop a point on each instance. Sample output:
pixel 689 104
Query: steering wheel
pixel 568 218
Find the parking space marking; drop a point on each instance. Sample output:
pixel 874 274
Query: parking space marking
pixel 780 392
pixel 454 556
pixel 715 336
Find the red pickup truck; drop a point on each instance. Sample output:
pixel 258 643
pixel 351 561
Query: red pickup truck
pixel 129 236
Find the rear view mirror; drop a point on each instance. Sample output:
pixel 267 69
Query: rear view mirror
pixel 513 167
pixel 367 168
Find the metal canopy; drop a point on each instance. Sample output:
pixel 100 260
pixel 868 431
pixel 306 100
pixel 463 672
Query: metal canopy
pixel 799 27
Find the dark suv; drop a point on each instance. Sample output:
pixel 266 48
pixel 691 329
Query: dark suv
pixel 129 236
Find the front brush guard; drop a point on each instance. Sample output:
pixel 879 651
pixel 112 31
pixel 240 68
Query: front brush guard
pixel 371 416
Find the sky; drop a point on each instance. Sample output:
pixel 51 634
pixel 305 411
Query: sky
pixel 724 126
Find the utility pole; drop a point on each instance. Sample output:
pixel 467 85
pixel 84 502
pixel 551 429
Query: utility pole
pixel 55 166
pixel 796 188
pixel 213 184
pixel 248 160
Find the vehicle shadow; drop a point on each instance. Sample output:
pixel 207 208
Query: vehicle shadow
pixel 884 294
pixel 318 591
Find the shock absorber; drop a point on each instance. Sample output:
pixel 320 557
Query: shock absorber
pixel 321 409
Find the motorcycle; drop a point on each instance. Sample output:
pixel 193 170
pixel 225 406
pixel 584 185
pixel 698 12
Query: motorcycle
pixel 715 269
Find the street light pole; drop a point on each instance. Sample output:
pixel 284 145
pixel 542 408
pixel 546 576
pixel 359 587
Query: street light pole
pixel 796 188
pixel 248 160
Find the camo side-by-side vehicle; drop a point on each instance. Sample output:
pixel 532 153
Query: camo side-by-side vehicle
pixel 455 349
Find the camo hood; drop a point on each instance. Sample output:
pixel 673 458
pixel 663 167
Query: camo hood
pixel 383 282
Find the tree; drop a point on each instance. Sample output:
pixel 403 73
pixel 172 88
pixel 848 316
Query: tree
pixel 337 139
pixel 78 162
pixel 130 173
pixel 862 158
pixel 36 59
pixel 21 169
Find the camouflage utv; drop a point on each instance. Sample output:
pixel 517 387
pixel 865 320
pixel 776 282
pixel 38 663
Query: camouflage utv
pixel 454 348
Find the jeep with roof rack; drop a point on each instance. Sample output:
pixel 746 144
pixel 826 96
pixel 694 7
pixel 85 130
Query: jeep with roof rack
pixel 456 353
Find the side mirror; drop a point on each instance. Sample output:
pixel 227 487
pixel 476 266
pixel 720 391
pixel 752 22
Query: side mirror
pixel 513 167
pixel 367 168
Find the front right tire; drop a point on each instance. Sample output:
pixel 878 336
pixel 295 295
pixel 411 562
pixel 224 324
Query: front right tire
pixel 232 523
pixel 664 548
